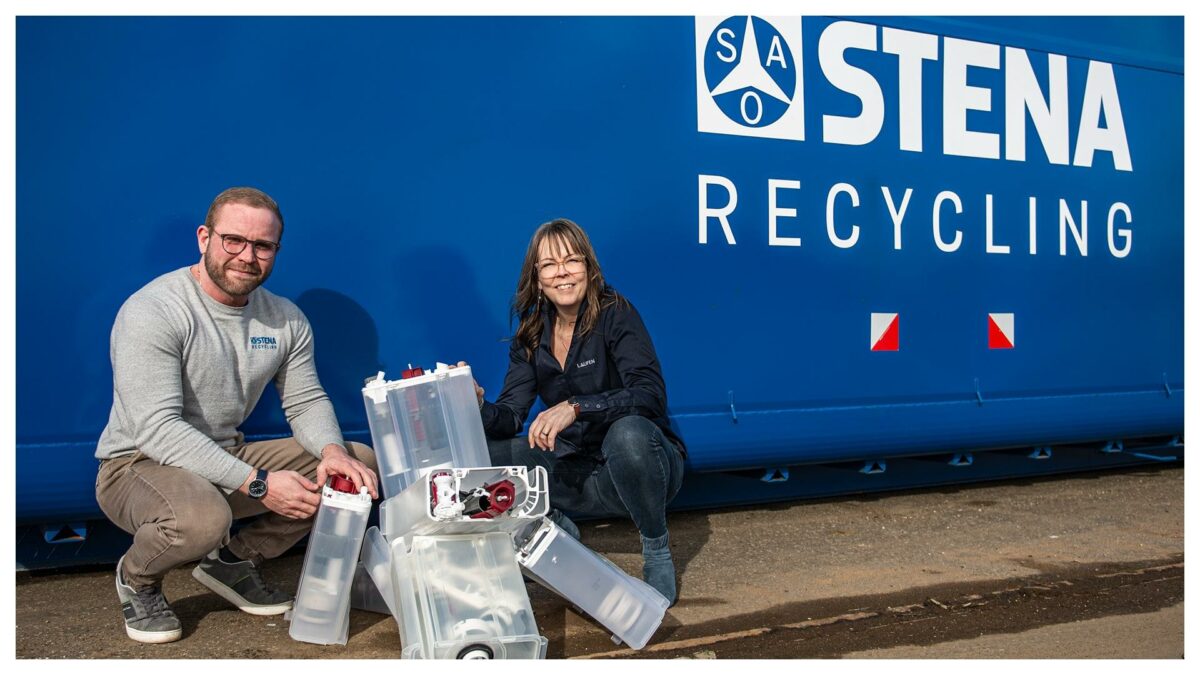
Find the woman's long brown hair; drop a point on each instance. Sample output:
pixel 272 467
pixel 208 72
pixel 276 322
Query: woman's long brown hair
pixel 529 307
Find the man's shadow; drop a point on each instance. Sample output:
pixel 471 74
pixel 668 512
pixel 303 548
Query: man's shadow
pixel 347 353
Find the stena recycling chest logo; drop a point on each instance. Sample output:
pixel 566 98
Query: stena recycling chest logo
pixel 749 79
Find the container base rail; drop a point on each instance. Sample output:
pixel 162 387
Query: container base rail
pixel 81 542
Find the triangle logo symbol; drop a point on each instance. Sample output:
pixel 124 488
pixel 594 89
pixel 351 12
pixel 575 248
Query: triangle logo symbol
pixel 1001 331
pixel 885 332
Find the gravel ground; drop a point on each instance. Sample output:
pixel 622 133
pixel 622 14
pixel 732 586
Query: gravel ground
pixel 1082 566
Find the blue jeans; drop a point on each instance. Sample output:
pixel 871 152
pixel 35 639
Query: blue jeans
pixel 639 473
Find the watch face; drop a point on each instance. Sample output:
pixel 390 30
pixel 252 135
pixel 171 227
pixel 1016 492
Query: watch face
pixel 257 488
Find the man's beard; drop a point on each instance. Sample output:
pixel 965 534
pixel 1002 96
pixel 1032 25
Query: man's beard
pixel 234 286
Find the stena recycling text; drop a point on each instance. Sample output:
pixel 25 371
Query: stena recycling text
pixel 740 61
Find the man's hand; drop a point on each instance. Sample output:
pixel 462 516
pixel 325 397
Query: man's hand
pixel 548 424
pixel 289 494
pixel 336 459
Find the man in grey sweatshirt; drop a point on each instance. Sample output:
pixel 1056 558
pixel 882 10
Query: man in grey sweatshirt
pixel 192 352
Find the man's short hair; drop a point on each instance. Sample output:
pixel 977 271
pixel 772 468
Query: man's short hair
pixel 243 195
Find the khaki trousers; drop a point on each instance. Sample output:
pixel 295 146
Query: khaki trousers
pixel 175 516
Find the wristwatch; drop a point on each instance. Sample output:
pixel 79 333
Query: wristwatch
pixel 258 487
pixel 575 405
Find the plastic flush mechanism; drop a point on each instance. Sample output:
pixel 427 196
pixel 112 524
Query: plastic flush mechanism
pixel 321 612
pixel 444 499
pixel 445 551
pixel 341 483
pixel 484 502
pixel 489 501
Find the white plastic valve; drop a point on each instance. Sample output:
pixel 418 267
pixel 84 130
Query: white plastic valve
pixel 447 505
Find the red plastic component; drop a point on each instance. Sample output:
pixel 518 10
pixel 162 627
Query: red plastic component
pixel 341 483
pixel 500 498
pixel 433 494
pixel 412 372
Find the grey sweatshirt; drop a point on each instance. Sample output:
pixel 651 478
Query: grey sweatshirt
pixel 187 371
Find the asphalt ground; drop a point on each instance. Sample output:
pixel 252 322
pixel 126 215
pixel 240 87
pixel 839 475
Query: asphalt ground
pixel 1083 566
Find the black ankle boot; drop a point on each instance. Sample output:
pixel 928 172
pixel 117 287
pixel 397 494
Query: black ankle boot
pixel 658 569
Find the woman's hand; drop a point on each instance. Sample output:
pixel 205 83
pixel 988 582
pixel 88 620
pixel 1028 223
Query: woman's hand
pixel 478 389
pixel 548 424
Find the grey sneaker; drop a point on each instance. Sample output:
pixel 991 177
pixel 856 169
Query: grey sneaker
pixel 241 584
pixel 148 617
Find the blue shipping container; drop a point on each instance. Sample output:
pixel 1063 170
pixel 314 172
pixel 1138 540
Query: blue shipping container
pixel 851 240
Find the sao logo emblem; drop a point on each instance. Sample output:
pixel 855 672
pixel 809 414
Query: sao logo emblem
pixel 750 77
pixel 749 71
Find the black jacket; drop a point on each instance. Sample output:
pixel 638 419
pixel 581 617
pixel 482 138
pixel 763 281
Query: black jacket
pixel 612 372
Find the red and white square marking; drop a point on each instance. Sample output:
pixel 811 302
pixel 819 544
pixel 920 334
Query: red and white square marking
pixel 1001 331
pixel 885 332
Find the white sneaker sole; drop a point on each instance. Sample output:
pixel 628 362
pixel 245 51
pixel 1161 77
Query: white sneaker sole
pixel 155 637
pixel 237 600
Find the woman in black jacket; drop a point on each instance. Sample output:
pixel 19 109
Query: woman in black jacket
pixel 604 437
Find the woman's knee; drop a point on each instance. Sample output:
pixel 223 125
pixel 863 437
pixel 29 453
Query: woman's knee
pixel 500 451
pixel 634 443
pixel 632 439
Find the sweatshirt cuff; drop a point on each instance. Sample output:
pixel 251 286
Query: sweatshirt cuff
pixel 233 477
pixel 331 439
